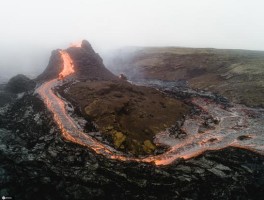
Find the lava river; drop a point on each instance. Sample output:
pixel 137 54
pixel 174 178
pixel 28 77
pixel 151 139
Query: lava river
pixel 237 126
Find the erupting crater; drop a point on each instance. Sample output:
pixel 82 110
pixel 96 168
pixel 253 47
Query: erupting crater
pixel 215 128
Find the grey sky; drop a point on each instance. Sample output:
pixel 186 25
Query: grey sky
pixel 34 27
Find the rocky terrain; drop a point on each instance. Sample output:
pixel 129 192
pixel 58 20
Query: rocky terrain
pixel 34 155
pixel 14 88
pixel 236 74
pixel 39 162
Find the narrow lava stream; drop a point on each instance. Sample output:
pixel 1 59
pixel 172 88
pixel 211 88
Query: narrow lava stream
pixel 224 135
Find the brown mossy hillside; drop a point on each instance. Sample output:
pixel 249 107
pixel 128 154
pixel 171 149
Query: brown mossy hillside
pixel 130 114
pixel 236 74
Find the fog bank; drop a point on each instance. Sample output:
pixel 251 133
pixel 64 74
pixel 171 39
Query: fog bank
pixel 31 29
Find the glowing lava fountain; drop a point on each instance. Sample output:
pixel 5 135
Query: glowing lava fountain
pixel 233 124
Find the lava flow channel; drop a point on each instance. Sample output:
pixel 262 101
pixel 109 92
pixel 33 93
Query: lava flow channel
pixel 233 123
pixel 68 68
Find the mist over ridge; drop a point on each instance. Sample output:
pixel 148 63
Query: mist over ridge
pixel 31 30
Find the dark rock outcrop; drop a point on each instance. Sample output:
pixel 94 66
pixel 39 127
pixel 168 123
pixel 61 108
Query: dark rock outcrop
pixel 6 97
pixel 20 83
pixel 87 64
pixel 53 69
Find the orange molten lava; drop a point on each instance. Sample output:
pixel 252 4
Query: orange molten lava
pixel 233 123
pixel 67 65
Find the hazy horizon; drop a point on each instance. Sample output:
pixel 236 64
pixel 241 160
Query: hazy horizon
pixel 32 29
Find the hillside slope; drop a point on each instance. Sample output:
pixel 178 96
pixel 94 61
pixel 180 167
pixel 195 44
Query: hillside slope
pixel 236 74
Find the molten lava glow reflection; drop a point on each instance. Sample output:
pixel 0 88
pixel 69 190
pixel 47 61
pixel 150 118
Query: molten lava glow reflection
pixel 233 123
pixel 68 68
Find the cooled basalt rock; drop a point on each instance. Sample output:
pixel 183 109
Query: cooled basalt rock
pixel 88 64
pixel 53 69
pixel 20 83
pixel 6 97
